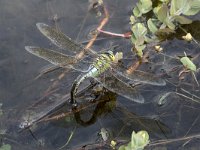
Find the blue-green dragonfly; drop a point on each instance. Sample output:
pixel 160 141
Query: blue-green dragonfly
pixel 103 63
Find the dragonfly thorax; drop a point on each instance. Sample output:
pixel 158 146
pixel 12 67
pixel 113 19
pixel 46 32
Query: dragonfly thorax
pixel 103 62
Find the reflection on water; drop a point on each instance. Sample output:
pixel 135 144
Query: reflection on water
pixel 178 116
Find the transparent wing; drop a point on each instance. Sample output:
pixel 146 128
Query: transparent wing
pixel 146 78
pixel 52 56
pixel 115 84
pixel 59 59
pixel 50 103
pixel 140 76
pixel 59 39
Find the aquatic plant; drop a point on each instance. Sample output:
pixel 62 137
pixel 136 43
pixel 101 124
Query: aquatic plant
pixel 188 64
pixel 5 147
pixel 138 141
pixel 165 17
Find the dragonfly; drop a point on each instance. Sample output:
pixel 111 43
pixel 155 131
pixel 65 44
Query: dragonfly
pixel 115 78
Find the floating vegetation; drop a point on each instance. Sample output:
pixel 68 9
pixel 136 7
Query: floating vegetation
pixel 166 17
pixel 5 147
pixel 138 141
pixel 188 64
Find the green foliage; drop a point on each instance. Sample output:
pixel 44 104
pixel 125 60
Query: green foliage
pixel 142 7
pixel 138 141
pixel 166 15
pixel 138 37
pixel 184 7
pixel 5 147
pixel 151 25
pixel 188 64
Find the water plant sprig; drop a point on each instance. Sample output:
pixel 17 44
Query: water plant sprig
pixel 138 141
pixel 165 16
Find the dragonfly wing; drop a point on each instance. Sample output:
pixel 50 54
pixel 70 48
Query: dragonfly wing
pixel 116 85
pixel 52 56
pixel 146 78
pixel 59 39
pixel 60 59
pixel 140 76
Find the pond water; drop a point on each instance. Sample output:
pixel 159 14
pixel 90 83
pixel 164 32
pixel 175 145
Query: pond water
pixel 177 119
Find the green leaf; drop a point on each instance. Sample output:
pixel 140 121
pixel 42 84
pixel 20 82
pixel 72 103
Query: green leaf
pixel 179 7
pixel 192 11
pixel 140 41
pixel 185 6
pixel 133 39
pixel 195 4
pixel 142 7
pixel 144 136
pixel 173 7
pixel 194 8
pixel 139 140
pixel 133 139
pixel 146 6
pixel 187 63
pixel 132 20
pixel 122 147
pixel 128 147
pixel 152 27
pixel 169 23
pixel 151 40
pixel 5 147
pixel 156 9
pixel 137 12
pixel 182 20
pixel 139 30
pixel 162 13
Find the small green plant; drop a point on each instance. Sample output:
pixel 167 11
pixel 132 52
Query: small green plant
pixel 165 17
pixel 5 147
pixel 188 64
pixel 138 141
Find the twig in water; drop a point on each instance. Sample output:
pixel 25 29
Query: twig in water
pixel 125 35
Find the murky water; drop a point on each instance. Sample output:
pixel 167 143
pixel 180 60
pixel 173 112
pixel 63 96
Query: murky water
pixel 176 117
